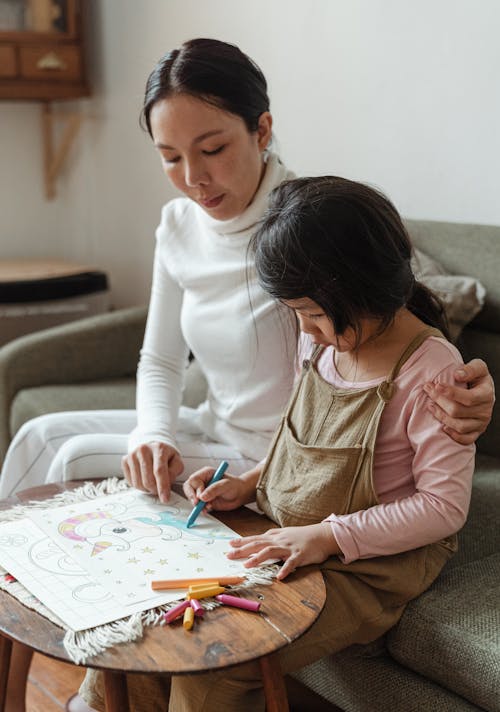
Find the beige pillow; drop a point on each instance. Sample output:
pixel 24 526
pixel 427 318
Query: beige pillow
pixel 462 296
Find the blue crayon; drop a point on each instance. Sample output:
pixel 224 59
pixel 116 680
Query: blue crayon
pixel 218 475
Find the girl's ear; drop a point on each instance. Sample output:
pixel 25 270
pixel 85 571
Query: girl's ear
pixel 264 130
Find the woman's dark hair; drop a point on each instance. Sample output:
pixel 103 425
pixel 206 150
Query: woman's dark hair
pixel 214 71
pixel 343 245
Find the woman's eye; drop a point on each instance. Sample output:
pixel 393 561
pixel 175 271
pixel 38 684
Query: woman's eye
pixel 215 151
pixel 170 161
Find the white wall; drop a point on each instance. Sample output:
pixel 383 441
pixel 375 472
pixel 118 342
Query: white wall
pixel 401 94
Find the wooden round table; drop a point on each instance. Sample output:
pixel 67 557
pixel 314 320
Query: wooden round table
pixel 225 637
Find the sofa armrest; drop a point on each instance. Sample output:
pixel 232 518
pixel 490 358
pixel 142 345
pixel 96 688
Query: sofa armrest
pixel 91 349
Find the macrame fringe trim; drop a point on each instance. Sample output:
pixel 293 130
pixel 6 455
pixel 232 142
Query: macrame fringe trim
pixel 84 644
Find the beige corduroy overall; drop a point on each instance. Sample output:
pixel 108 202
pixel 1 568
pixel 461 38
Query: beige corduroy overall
pixel 321 462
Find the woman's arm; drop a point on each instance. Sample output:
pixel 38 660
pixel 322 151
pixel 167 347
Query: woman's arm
pixel 465 414
pixel 153 461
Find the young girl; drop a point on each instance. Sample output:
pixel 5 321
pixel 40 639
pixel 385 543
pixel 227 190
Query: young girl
pixel 359 476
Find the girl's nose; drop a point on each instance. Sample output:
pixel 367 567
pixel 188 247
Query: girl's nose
pixel 306 325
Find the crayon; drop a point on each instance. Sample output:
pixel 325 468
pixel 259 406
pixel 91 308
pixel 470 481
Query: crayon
pixel 238 602
pixel 175 612
pixel 163 585
pixel 197 607
pixel 188 618
pixel 205 592
pixel 218 475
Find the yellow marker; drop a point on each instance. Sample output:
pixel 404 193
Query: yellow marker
pixel 205 591
pixel 184 583
pixel 188 619
pixel 199 586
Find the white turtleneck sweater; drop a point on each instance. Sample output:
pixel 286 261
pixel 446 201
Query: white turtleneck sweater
pixel 205 298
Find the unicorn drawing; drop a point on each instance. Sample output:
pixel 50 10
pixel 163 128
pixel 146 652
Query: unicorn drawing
pixel 102 531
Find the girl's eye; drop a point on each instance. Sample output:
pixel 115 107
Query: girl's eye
pixel 215 151
pixel 170 161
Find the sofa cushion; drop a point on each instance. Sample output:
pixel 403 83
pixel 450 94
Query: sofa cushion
pixel 480 536
pixel 451 634
pixel 96 395
pixel 463 296
pixel 358 681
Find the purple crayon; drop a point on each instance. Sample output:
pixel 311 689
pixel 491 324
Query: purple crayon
pixel 238 602
pixel 197 607
pixel 175 612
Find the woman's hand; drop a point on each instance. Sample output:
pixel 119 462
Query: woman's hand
pixel 229 493
pixel 465 413
pixel 295 546
pixel 153 467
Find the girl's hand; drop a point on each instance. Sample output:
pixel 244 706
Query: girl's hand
pixel 153 467
pixel 465 413
pixel 229 493
pixel 295 546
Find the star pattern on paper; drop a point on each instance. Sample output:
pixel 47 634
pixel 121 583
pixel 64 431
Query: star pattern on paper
pixel 148 572
pixel 163 562
pixel 193 555
pixel 133 560
pixel 147 550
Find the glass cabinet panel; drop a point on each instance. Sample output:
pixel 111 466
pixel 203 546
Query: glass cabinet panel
pixel 37 16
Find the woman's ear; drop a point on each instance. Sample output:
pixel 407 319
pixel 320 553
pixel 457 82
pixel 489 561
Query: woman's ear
pixel 264 130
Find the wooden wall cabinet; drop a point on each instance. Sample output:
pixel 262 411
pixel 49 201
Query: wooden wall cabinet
pixel 41 50
pixel 42 59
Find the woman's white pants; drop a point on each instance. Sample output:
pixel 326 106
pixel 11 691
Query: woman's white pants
pixel 80 445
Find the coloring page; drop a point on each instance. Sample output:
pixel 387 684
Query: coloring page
pixel 58 580
pixel 128 539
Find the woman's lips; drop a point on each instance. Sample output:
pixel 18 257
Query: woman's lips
pixel 212 202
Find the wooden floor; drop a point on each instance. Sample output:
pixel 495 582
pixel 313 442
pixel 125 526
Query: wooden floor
pixel 51 683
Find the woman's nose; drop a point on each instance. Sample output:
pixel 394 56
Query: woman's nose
pixel 195 174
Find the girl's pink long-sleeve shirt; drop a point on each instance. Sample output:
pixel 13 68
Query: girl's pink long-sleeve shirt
pixel 422 478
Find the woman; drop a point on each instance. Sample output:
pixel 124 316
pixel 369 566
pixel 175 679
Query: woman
pixel 207 111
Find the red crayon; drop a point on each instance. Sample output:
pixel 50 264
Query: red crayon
pixel 197 607
pixel 175 612
pixel 238 602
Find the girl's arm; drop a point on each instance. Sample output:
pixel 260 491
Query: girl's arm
pixel 229 493
pixel 295 546
pixel 442 476
pixel 465 414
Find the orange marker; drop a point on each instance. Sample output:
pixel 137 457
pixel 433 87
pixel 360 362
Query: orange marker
pixel 205 592
pixel 185 583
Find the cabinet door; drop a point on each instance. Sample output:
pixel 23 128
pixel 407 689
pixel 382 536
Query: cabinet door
pixel 50 62
pixel 8 62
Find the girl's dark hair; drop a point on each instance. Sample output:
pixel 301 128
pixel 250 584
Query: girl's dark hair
pixel 343 245
pixel 214 71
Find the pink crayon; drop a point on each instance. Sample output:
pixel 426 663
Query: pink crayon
pixel 175 612
pixel 197 607
pixel 238 602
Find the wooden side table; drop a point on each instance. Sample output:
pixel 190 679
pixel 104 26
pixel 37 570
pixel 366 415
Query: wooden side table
pixel 226 637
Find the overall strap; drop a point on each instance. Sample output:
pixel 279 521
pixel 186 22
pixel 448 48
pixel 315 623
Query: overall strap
pixel 313 359
pixel 417 341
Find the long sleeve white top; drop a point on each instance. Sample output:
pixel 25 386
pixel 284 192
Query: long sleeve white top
pixel 205 298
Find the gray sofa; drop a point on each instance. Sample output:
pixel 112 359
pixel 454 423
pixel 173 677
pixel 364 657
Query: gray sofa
pixel 444 655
